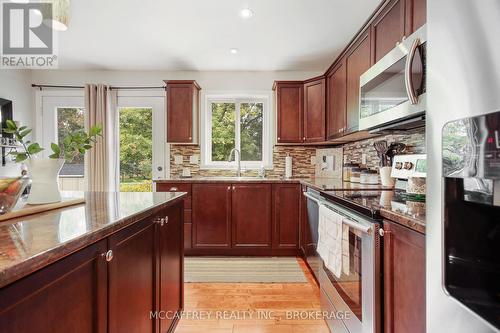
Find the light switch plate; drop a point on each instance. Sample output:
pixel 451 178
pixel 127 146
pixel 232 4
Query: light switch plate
pixel 313 160
pixel 193 159
pixel 363 159
pixel 178 159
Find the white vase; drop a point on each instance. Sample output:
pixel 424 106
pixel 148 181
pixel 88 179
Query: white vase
pixel 44 175
pixel 385 176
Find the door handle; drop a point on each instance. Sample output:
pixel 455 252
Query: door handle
pixel 408 66
pixel 160 168
pixel 108 255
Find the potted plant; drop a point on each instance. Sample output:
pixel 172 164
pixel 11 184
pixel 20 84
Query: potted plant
pixel 44 172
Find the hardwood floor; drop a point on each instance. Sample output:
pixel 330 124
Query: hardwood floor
pixel 252 307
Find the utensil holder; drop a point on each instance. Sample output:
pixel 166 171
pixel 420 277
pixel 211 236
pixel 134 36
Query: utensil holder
pixel 385 177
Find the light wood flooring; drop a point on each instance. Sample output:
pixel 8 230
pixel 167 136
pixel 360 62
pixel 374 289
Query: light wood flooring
pixel 249 300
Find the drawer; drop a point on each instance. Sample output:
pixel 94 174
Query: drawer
pixel 187 216
pixel 174 187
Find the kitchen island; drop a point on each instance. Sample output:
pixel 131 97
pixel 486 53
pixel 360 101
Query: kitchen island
pixel 113 264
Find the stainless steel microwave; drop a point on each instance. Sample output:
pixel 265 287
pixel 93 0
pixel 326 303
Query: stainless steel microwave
pixel 392 92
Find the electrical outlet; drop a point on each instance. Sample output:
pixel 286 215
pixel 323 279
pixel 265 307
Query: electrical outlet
pixel 178 159
pixel 313 160
pixel 363 159
pixel 193 159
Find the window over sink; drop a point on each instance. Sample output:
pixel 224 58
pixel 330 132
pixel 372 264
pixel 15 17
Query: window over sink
pixel 236 122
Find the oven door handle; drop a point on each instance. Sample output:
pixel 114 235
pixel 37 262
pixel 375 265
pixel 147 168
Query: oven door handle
pixel 351 223
pixel 410 90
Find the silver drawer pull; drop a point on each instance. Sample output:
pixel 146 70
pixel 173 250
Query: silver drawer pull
pixel 174 189
pixel 108 255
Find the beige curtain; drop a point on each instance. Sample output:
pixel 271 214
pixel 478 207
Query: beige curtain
pixel 96 104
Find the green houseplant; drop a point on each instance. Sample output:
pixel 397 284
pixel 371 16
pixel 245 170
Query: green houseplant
pixel 44 172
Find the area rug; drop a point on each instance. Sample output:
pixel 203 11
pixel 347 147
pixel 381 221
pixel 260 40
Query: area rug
pixel 243 270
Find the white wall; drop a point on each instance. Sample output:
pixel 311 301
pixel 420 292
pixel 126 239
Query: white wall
pixel 208 80
pixel 16 86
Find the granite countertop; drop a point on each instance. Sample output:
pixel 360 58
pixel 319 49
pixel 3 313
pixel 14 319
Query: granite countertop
pixel 379 204
pixel 229 179
pixel 324 184
pixel 32 242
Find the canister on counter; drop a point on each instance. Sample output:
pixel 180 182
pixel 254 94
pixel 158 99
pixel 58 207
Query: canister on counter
pixel 369 177
pixel 347 171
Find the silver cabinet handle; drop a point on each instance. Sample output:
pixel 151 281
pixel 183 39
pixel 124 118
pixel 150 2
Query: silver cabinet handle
pixel 173 189
pixel 108 255
pixel 408 66
pixel 381 232
pixel 166 219
pixel 161 222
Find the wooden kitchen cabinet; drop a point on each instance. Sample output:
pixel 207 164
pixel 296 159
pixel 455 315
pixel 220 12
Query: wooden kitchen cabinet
pixel 404 279
pixel 336 100
pixel 132 278
pixel 182 111
pixel 251 215
pixel 314 110
pixel 387 29
pixel 415 15
pixel 67 296
pixel 289 107
pixel 211 215
pixel 171 256
pixel 357 62
pixel 286 215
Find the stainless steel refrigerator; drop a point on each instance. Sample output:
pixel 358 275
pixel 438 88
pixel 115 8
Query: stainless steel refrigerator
pixel 463 80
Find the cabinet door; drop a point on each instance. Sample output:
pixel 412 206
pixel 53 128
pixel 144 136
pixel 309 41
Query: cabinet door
pixel 314 111
pixel 404 279
pixel 179 113
pixel 286 213
pixel 132 278
pixel 416 15
pixel 251 215
pixel 357 62
pixel 289 106
pixel 336 100
pixel 171 265
pixel 388 28
pixel 211 216
pixel 67 296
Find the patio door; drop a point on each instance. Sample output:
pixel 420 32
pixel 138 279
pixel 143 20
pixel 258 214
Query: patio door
pixel 142 142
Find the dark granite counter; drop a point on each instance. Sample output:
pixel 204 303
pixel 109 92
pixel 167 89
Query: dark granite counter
pixel 220 179
pixel 32 242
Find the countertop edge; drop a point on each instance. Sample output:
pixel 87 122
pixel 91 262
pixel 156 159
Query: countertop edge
pixel 404 220
pixel 48 257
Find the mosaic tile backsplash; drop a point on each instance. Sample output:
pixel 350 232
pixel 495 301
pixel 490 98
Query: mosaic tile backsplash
pixel 414 140
pixel 301 165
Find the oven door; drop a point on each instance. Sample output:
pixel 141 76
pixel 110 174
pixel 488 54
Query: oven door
pixel 357 290
pixel 393 89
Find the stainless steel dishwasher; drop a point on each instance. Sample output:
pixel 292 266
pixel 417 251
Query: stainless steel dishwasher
pixel 312 257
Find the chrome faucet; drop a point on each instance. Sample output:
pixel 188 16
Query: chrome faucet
pixel 238 171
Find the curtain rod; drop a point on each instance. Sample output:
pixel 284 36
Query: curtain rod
pixel 81 87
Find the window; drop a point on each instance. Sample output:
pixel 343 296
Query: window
pixel 241 123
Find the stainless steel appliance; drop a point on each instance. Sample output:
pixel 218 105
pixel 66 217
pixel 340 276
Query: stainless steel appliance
pixel 357 291
pixel 463 81
pixel 471 167
pixel 393 91
pixel 311 255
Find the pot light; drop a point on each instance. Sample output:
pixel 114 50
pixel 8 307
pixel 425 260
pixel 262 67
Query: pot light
pixel 246 13
pixel 233 51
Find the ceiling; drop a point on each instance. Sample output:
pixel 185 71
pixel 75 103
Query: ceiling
pixel 198 34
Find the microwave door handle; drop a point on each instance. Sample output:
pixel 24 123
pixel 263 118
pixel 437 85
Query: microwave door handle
pixel 408 67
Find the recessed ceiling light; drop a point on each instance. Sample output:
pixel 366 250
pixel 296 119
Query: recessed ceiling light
pixel 246 13
pixel 233 51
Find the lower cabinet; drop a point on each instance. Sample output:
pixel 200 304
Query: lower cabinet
pixel 286 213
pixel 404 279
pixel 67 296
pixel 251 215
pixel 113 285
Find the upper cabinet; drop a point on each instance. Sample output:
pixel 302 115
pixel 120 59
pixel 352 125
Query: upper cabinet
pixel 314 110
pixel 336 100
pixel 388 28
pixel 300 108
pixel 182 111
pixel 289 108
pixel 415 15
pixel 357 62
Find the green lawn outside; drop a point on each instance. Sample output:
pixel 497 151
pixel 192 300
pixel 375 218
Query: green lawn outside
pixel 136 185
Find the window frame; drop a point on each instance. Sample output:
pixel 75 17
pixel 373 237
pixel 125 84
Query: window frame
pixel 206 135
